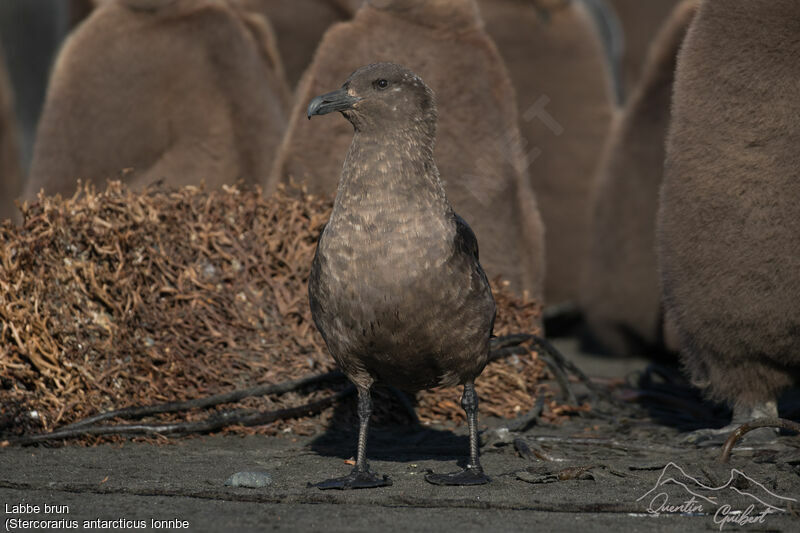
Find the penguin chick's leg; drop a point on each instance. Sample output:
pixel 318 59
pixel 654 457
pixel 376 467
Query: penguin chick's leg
pixel 360 477
pixel 473 473
pixel 741 415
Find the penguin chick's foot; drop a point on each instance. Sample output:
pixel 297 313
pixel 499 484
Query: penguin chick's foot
pixel 717 437
pixel 356 480
pixel 741 415
pixel 472 475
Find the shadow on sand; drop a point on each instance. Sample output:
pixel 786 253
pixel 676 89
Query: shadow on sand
pixel 394 435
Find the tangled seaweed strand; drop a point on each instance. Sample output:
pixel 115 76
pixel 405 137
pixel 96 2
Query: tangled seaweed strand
pixel 214 422
pixel 738 433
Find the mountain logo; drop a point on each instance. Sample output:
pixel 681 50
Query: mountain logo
pixel 741 500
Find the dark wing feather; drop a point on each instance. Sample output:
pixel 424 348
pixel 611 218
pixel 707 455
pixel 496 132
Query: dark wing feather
pixel 467 243
pixel 314 288
pixel 465 238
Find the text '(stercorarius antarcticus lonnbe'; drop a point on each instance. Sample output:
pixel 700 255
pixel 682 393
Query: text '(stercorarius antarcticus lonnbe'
pixel 396 288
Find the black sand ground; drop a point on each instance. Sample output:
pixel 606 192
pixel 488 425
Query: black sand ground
pixel 620 458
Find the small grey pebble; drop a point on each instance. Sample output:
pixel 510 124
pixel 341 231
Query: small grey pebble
pixel 250 480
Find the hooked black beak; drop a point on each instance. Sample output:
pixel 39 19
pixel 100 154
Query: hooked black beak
pixel 338 100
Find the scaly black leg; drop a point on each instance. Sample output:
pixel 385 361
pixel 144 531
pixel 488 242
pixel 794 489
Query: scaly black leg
pixel 473 473
pixel 360 477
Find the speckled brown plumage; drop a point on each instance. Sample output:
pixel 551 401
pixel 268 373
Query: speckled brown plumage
pixel 396 288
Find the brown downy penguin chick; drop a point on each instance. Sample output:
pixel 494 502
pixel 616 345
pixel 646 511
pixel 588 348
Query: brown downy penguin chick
pixel 10 168
pixel 396 288
pixel 558 66
pixel 640 21
pixel 179 90
pixel 299 26
pixel 729 220
pixel 477 151
pixel 620 294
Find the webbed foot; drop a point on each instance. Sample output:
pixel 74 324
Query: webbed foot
pixel 741 415
pixel 472 475
pixel 355 480
pixel 717 437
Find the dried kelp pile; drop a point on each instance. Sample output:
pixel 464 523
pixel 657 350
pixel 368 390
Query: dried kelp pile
pixel 114 298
